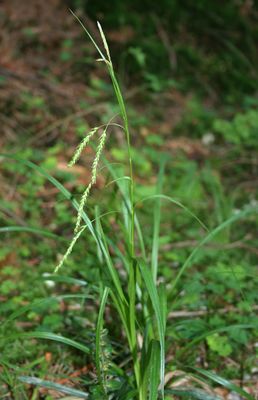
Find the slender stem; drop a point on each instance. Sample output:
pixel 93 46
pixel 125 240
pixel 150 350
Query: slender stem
pixel 132 274
pixel 129 321
pixel 131 187
pixel 129 151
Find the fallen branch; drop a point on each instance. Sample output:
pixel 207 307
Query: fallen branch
pixel 200 313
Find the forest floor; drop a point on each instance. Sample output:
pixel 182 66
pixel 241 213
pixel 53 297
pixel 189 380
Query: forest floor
pixel 51 94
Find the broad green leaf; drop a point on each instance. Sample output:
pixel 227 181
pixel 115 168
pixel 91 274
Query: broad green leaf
pixel 219 344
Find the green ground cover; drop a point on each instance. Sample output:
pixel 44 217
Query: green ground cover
pixel 194 139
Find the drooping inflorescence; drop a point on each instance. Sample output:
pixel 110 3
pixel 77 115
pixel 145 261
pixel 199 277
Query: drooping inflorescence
pixel 69 250
pixel 78 229
pixel 82 145
pixel 93 178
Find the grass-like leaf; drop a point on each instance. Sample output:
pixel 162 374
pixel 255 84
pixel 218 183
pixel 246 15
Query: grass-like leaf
pixel 214 232
pixel 48 336
pixel 222 382
pixel 152 291
pixel 127 202
pixel 192 393
pixel 29 229
pixel 110 266
pixel 99 329
pixel 154 370
pixel 177 203
pixel 89 35
pixel 75 204
pixel 53 386
pixel 39 303
pixel 217 330
pixel 65 279
pixel 156 223
pixel 57 184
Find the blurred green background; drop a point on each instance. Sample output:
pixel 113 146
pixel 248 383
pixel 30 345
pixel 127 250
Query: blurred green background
pixel 189 75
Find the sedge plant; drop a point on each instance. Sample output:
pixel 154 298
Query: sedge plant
pixel 148 359
pixel 139 300
pixel 148 353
